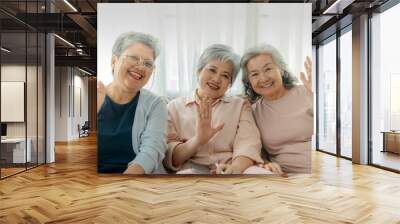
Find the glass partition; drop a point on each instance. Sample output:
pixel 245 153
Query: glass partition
pixel 327 96
pixel 22 90
pixel 13 103
pixel 385 89
pixel 346 94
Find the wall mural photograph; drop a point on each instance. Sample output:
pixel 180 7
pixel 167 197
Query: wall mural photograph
pixel 204 89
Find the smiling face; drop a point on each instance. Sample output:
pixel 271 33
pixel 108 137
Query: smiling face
pixel 215 78
pixel 265 76
pixel 128 74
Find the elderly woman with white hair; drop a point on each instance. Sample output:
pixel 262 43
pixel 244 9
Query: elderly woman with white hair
pixel 209 131
pixel 283 110
pixel 132 122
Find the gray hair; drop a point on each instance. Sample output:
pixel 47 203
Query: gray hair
pixel 127 39
pixel 224 54
pixel 288 79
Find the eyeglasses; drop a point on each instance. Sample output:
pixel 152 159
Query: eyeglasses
pixel 136 60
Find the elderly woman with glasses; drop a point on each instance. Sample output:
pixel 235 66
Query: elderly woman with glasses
pixel 283 111
pixel 208 131
pixel 132 122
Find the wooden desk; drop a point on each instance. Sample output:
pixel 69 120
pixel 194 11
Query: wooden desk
pixel 391 141
pixel 13 150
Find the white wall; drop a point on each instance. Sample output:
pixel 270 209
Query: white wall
pixel 185 30
pixel 61 103
pixel 80 84
pixel 67 115
pixel 12 73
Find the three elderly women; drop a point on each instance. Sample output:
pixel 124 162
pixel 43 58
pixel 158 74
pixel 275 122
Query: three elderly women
pixel 208 131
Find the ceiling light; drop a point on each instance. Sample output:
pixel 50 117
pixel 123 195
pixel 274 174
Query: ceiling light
pixel 329 9
pixel 338 6
pixel 64 40
pixel 5 49
pixel 70 5
pixel 84 71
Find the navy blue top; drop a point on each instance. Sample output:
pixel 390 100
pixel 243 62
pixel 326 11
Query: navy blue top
pixel 114 135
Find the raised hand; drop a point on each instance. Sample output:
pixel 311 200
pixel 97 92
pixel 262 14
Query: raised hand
pixel 204 131
pixel 307 80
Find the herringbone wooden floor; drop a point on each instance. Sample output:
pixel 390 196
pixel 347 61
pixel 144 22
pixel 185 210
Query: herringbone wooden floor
pixel 70 191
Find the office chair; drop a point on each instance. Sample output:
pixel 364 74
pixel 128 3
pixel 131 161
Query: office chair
pixel 84 130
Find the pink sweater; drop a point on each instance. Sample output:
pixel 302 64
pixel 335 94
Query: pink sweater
pixel 239 137
pixel 286 127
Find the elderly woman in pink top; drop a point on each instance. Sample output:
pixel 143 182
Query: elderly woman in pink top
pixel 210 132
pixel 283 111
